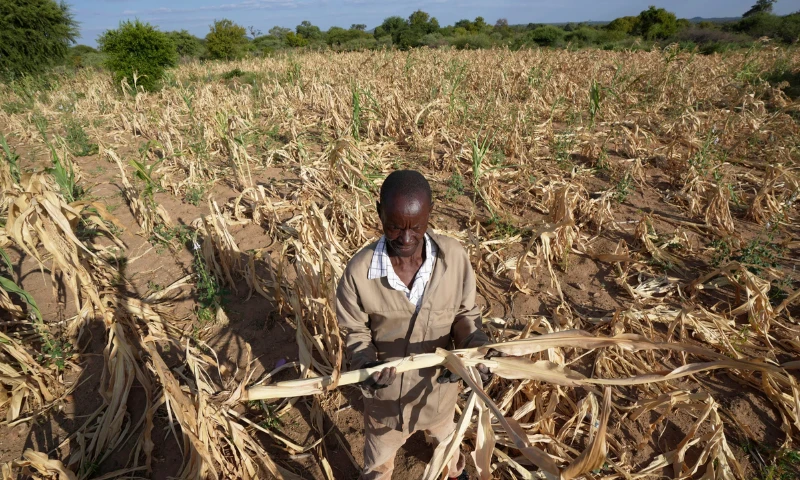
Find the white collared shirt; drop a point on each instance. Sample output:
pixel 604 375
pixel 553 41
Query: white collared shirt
pixel 381 266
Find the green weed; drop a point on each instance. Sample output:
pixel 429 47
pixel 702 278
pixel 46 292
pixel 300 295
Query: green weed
pixel 356 125
pixel 594 101
pixel 561 148
pixel 722 252
pixel 455 186
pixel 502 228
pixel 11 157
pixel 271 419
pixel 67 180
pixel 758 254
pixel 623 188
pixel 78 141
pixel 194 194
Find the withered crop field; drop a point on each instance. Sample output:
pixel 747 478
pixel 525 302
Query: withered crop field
pixel 632 218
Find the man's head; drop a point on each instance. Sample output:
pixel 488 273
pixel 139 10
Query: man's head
pixel 404 209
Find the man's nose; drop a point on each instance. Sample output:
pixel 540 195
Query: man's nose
pixel 407 236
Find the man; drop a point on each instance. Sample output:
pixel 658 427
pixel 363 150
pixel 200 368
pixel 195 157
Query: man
pixel 409 293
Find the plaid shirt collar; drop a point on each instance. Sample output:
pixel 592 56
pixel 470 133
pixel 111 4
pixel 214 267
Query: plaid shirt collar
pixel 381 267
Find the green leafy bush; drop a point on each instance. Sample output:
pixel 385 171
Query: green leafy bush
pixel 582 36
pixel 84 56
pixel 226 40
pixel 186 44
pixel 138 48
pixel 295 40
pixel 656 23
pixel 547 36
pixel 34 36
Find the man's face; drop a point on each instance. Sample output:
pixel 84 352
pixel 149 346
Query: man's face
pixel 405 221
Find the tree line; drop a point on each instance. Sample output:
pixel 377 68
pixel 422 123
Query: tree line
pixel 140 47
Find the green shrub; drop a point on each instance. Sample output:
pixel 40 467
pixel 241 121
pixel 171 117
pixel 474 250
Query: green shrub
pixel 226 40
pixel 83 56
pixel 137 48
pixel 547 36
pixel 34 36
pixel 656 23
pixel 582 36
pixel 186 44
pixel 295 40
pixel 433 40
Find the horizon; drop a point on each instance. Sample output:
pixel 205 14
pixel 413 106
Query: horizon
pixel 96 16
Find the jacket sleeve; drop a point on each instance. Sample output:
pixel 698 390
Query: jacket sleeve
pixel 467 331
pixel 354 323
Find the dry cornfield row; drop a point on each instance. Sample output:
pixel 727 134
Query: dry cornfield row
pixel 645 242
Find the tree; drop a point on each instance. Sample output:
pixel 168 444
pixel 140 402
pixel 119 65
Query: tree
pixel 34 35
pixel 226 40
pixel 761 6
pixel 254 32
pixel 623 24
pixel 186 44
pixel 137 48
pixel 501 22
pixel 546 36
pixel 309 31
pixel 656 23
pixel 279 32
pixel 391 26
pixel 358 26
pixel 294 40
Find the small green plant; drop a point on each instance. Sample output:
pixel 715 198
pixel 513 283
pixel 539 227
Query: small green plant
pixel 722 252
pixel 271 419
pixel 480 150
pixel 785 466
pixel 54 351
pixel 702 160
pixel 11 157
pixel 502 228
pixel 356 125
pixel 144 173
pixel 153 286
pixel 207 289
pixel 78 141
pixel 455 186
pixel 561 149
pixel 623 188
pixel 194 194
pixel 602 164
pixel 67 180
pixel 594 101
pixel 164 238
pixel 758 254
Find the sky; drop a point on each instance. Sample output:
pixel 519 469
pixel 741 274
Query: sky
pixel 96 16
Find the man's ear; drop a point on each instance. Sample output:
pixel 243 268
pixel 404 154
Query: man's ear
pixel 378 207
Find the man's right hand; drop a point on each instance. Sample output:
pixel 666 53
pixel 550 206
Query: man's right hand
pixel 379 380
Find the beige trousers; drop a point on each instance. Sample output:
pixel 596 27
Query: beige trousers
pixel 381 444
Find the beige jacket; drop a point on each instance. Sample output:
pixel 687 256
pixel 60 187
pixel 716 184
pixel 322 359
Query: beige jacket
pixel 380 325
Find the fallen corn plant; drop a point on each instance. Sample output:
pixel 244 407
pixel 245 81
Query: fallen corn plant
pixel 518 367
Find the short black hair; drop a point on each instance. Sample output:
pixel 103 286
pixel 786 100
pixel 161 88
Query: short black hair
pixel 407 182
